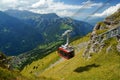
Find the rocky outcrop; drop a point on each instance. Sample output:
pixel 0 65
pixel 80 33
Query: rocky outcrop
pixel 95 45
pixel 118 45
pixel 4 61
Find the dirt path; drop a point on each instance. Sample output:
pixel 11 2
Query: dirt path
pixel 57 62
pixel 80 46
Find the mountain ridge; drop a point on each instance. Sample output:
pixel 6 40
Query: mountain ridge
pixel 48 23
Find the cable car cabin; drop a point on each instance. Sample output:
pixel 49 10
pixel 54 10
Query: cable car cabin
pixel 66 52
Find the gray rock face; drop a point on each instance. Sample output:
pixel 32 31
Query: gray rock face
pixel 108 49
pixel 118 46
pixel 93 45
pixel 97 41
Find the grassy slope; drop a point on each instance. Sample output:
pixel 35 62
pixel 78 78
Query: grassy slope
pixel 102 65
pixel 37 67
pixel 10 75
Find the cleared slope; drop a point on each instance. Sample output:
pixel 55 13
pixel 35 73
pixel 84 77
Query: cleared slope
pixel 10 75
pixel 102 66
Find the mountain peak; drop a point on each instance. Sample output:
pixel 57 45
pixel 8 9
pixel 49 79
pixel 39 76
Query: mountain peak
pixel 49 15
pixel 25 13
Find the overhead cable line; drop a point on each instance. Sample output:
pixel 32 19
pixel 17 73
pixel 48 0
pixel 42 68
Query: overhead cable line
pixel 82 8
pixel 97 10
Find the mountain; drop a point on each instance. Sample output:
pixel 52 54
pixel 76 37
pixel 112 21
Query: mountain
pixel 50 25
pixel 30 17
pixel 22 31
pixel 16 36
pixel 94 59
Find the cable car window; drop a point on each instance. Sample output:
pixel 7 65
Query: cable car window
pixel 71 54
pixel 62 53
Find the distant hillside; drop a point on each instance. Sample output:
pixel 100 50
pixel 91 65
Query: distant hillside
pixel 22 31
pixel 16 36
pixel 50 25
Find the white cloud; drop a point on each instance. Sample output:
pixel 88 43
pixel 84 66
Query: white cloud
pixel 4 4
pixel 90 4
pixel 62 9
pixel 8 1
pixel 61 5
pixel 65 13
pixel 47 6
pixel 40 3
pixel 108 11
pixel 53 5
pixel 16 4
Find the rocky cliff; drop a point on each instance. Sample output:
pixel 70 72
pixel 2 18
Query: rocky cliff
pixel 97 38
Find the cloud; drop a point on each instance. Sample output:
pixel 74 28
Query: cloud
pixel 16 4
pixel 62 9
pixel 90 4
pixel 108 11
pixel 51 4
pixel 4 4
pixel 40 3
pixel 47 6
pixel 8 1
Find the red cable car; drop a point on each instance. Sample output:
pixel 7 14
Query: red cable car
pixel 66 51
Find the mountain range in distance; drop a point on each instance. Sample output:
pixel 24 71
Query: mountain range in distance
pixel 22 31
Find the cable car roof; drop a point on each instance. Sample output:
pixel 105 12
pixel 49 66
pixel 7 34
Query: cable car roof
pixel 66 49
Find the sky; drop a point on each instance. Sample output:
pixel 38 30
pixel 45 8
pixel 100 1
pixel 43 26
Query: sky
pixel 77 9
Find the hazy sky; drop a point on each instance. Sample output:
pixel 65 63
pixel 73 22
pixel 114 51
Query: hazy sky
pixel 78 9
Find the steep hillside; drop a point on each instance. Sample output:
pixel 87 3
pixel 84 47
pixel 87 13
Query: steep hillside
pixel 94 60
pixel 6 73
pixel 16 36
pixel 103 65
pixel 37 53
